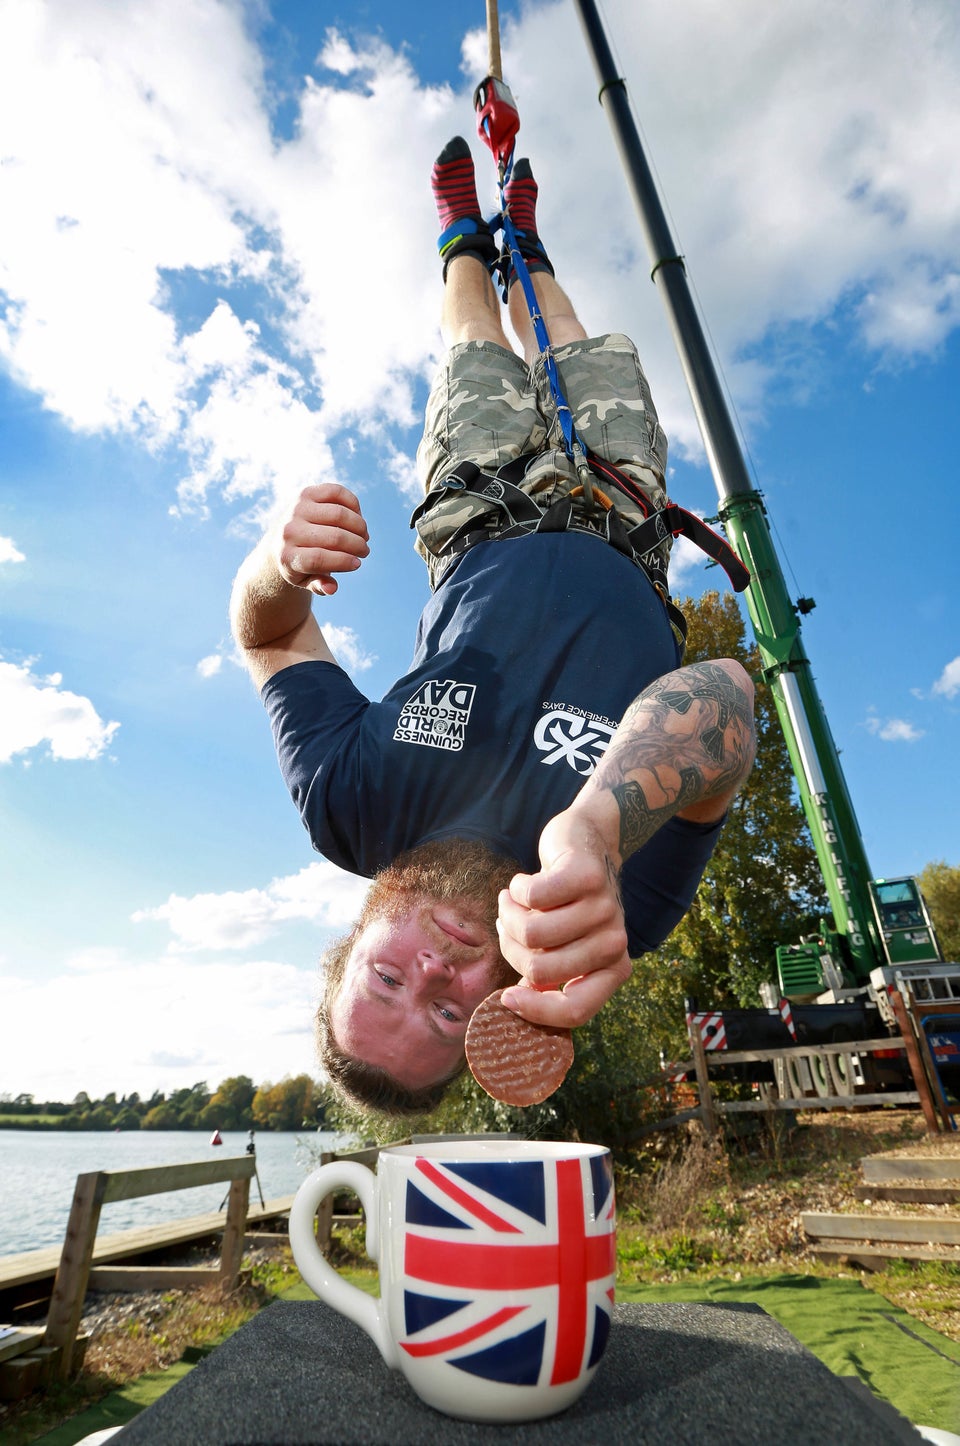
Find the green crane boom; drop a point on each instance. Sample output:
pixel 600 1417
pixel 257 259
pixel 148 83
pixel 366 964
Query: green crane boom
pixel 775 618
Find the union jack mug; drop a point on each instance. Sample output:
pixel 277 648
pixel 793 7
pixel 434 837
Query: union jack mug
pixel 496 1259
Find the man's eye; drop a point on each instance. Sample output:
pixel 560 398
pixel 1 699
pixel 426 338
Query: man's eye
pixel 448 1014
pixel 388 979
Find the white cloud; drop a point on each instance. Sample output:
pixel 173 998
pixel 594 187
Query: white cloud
pixel 34 711
pixel 348 649
pixel 948 683
pixel 138 159
pixel 402 471
pixel 893 730
pixel 210 666
pixel 170 1022
pixel 320 893
pixel 9 552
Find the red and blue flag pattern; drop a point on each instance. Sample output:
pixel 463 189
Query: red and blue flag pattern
pixel 488 1285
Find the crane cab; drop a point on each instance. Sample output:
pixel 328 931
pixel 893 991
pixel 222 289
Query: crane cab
pixel 903 922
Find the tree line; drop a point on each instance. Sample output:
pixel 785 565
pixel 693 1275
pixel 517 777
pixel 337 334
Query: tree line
pixel 236 1104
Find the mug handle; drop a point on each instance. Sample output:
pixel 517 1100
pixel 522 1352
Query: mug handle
pixel 363 1309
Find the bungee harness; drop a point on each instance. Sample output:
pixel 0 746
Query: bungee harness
pixel 502 509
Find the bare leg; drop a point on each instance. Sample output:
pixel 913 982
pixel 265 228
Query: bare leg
pixel 557 311
pixel 471 310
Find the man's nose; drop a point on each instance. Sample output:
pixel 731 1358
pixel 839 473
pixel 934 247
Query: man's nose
pixel 435 966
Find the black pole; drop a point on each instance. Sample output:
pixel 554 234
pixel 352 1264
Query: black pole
pixel 713 416
pixel 823 789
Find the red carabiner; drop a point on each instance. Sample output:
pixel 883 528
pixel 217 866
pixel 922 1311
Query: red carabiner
pixel 497 118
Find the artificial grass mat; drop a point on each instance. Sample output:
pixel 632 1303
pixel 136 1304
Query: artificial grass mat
pixel 120 1406
pixel 852 1330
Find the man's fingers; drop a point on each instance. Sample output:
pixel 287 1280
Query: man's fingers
pixel 580 1000
pixel 551 968
pixel 330 492
pixel 551 928
pixel 328 514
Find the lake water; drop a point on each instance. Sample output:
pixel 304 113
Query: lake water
pixel 39 1169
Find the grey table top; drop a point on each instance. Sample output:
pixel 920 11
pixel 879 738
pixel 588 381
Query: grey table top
pixel 673 1373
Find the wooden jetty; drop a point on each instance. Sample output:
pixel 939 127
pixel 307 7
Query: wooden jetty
pixel 59 1279
pixel 26 1279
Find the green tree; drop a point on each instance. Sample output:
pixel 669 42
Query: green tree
pixel 763 885
pixel 231 1105
pixel 161 1117
pixel 290 1105
pixel 940 886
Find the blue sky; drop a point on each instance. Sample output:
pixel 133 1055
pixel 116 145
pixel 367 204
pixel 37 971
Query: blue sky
pixel 218 282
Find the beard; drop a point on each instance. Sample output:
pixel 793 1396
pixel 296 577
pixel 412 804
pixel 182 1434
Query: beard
pixel 457 871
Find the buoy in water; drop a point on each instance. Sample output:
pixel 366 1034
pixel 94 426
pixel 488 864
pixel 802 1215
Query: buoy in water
pixel 215 1138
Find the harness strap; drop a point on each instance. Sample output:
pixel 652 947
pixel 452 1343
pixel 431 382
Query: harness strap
pixel 515 512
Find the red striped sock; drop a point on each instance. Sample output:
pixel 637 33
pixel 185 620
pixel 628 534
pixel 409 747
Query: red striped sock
pixel 454 184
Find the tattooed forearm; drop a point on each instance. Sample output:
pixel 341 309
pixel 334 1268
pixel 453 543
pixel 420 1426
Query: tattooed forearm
pixel 687 738
pixel 638 821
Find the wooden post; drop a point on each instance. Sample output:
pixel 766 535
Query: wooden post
pixel 233 1234
pixel 708 1114
pixel 933 1074
pixel 910 1044
pixel 493 40
pixel 325 1212
pixel 73 1272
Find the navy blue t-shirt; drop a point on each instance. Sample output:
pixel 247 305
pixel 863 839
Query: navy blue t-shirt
pixel 526 658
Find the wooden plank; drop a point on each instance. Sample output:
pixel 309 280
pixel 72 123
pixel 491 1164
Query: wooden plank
pixel 874 1257
pixel 917 1014
pixel 156 1277
pixel 33 1265
pixel 14 1340
pixel 232 1253
pixel 667 1124
pixel 910 1167
pixel 910 1194
pixel 70 1286
pixel 158 1179
pixel 847 1046
pixel 922 1229
pixel 918 1059
pixel 818 1102
pixel 708 1114
pixel 20 1377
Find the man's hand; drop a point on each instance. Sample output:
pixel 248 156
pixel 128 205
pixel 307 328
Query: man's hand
pixel 564 927
pixel 325 534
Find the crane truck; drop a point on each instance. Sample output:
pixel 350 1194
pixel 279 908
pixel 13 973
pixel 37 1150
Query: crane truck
pixel 880 937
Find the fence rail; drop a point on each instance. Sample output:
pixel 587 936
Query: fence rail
pixel 98 1188
pixel 793 1060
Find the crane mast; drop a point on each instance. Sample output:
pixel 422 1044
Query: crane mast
pixel 775 618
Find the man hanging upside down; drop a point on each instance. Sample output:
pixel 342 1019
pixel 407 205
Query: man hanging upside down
pixel 537 797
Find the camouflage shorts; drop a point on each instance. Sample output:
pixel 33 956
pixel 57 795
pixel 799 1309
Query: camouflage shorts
pixel 489 407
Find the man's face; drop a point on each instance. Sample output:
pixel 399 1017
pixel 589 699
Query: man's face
pixel 409 987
